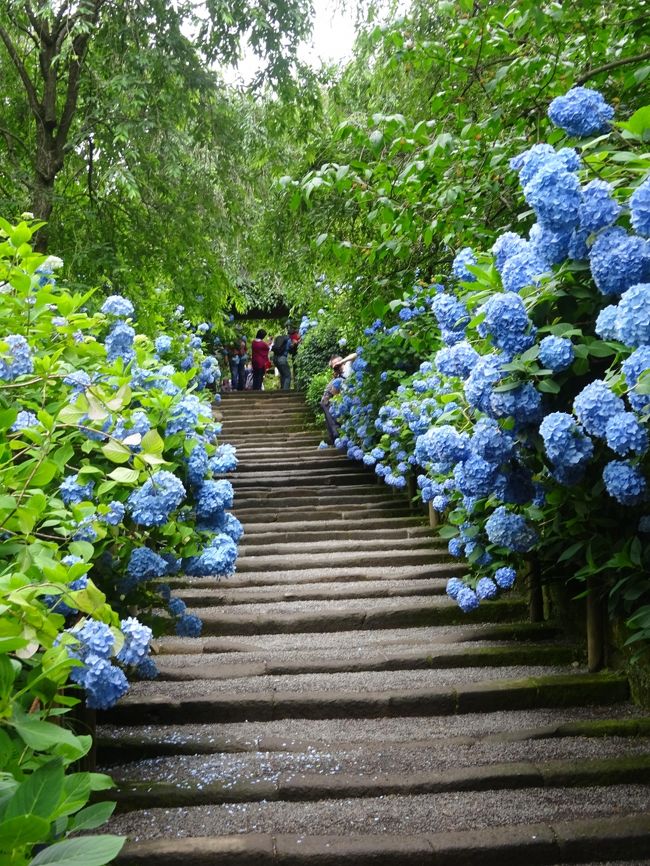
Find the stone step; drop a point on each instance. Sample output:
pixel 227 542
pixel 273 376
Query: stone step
pixel 206 704
pixel 287 480
pixel 348 558
pixel 365 523
pixel 357 614
pixel 257 535
pixel 541 842
pixel 310 497
pixel 195 597
pixel 189 667
pixel 119 744
pixel 296 547
pixel 294 577
pixel 323 512
pixel 313 461
pixel 350 644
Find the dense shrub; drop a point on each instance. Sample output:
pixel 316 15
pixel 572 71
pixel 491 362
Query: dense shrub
pixel 528 425
pixel 317 346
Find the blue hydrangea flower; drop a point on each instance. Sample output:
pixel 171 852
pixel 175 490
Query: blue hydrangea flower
pixel 79 380
pixel 189 626
pixel 625 435
pixel 216 560
pixel 523 403
pixel 606 323
pixel 197 465
pixel 25 420
pixel 551 247
pixel 467 600
pixel 163 344
pixel 505 577
pixel 213 497
pixel 578 250
pixel 555 196
pixel 84 530
pixel 486 588
pixel 144 564
pixel 103 682
pixel 625 482
pixel 146 669
pixel 454 586
pixel 224 459
pixel 176 606
pixel 581 112
pixel 153 503
pixel 478 385
pixel 450 313
pixel 119 342
pixel 72 492
pixel 514 486
pixel 443 445
pixel 633 316
pixel 457 360
pixel 506 322
pixel 598 209
pixel 455 548
pixel 491 442
pixel 94 638
pixel 564 440
pixel 186 414
pixel 507 245
pixel 137 638
pixel 619 260
pixel 115 514
pixel 459 266
pixel 595 405
pixel 475 476
pixel 506 529
pixel 523 269
pixel 556 353
pixel 530 161
pixel 16 360
pixel 231 526
pixel 640 208
pixel 634 367
pixel 117 306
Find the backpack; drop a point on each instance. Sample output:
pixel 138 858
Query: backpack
pixel 279 345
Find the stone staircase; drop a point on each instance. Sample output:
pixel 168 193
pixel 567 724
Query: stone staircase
pixel 340 709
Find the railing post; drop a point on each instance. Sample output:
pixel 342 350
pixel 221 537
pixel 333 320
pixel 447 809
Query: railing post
pixel 536 597
pixel 595 627
pixel 434 517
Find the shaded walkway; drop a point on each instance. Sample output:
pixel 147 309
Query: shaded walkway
pixel 341 709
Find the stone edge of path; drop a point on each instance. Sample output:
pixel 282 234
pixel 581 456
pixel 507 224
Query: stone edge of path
pixel 562 842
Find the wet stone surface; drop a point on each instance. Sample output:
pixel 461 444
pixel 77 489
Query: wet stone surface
pixel 389 814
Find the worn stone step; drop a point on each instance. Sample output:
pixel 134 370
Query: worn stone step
pixel 225 595
pixel 537 844
pixel 257 535
pixel 298 577
pixel 313 461
pixel 347 558
pixel 287 480
pixel 120 744
pixel 265 705
pixel 370 493
pixel 357 545
pixel 318 513
pixel 366 523
pixel 349 644
pixel 357 614
pixel 195 780
pixel 185 667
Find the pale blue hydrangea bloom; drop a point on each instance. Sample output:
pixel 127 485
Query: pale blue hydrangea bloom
pixel 581 112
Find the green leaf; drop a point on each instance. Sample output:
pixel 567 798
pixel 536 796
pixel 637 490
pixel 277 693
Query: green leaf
pixel 76 790
pixel 92 817
pixel 41 736
pixel 44 474
pixel 23 830
pixel 40 793
pixel 7 677
pixel 116 452
pixel 89 851
pixel 124 475
pixel 638 124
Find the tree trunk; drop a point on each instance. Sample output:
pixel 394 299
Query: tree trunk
pixel 49 161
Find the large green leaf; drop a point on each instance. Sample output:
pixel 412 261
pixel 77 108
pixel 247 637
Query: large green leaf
pixel 92 851
pixel 39 794
pixel 23 830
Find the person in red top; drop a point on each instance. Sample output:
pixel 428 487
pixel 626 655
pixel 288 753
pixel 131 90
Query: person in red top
pixel 260 355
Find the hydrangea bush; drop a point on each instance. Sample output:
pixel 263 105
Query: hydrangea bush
pixel 112 480
pixel 527 425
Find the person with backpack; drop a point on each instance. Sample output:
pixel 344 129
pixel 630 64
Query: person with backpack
pixel 283 347
pixel 260 352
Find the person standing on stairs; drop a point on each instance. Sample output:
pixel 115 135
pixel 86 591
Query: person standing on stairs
pixel 332 389
pixel 260 354
pixel 282 347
